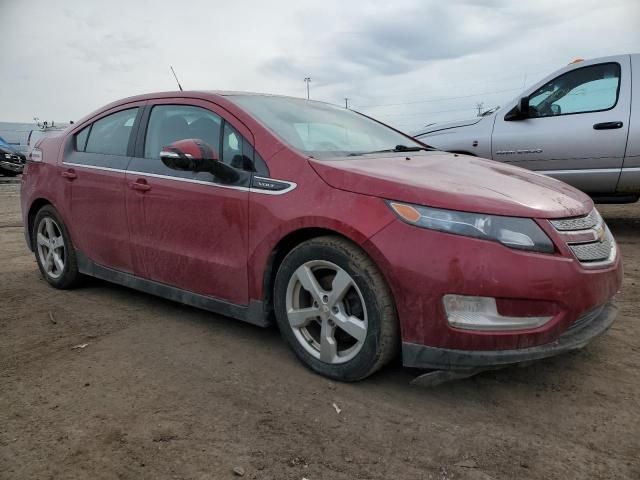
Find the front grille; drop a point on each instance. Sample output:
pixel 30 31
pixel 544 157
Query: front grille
pixel 593 252
pixel 579 223
pixel 596 246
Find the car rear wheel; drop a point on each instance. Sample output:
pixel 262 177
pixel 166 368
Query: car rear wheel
pixel 53 248
pixel 335 309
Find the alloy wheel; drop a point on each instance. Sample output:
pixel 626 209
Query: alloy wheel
pixel 326 311
pixel 51 248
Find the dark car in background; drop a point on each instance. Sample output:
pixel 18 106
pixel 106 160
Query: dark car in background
pixel 11 160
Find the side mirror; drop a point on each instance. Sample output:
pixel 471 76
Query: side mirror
pixel 520 111
pixel 190 155
pixel 194 155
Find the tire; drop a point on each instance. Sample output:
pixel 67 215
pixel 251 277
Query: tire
pixel 8 173
pixel 351 309
pixel 47 224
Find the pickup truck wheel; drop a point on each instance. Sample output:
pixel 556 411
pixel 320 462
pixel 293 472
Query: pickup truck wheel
pixel 335 309
pixel 54 251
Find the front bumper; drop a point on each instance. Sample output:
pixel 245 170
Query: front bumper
pixel 585 329
pixel 422 266
pixel 11 166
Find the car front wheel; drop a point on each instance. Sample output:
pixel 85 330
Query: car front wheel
pixel 335 309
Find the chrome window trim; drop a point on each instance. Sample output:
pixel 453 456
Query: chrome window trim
pixel 187 180
pixel 579 170
pixel 292 185
pixel 94 167
pixel 588 170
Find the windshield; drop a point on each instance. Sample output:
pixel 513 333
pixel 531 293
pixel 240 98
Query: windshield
pixel 321 130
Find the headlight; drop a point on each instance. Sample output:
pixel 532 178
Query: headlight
pixel 7 155
pixel 520 233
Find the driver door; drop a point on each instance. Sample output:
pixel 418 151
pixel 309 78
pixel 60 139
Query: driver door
pixel 577 127
pixel 188 229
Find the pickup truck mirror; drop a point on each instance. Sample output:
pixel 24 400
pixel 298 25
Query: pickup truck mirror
pixel 520 111
pixel 194 155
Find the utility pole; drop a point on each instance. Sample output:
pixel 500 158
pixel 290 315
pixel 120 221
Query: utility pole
pixel 346 102
pixel 480 107
pixel 307 80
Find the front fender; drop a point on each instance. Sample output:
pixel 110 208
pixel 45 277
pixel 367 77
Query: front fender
pixel 338 215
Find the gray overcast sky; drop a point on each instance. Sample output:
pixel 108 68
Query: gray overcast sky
pixel 62 59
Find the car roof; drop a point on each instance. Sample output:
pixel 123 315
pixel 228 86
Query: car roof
pixel 219 95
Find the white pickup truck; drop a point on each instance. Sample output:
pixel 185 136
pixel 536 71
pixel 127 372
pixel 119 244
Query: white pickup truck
pixel 580 125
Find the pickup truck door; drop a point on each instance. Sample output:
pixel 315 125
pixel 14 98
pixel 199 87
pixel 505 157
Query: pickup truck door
pixel 577 126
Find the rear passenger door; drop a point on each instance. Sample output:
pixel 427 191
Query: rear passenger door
pixel 94 166
pixel 189 229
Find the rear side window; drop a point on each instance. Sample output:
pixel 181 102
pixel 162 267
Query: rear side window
pixel 110 135
pixel 81 138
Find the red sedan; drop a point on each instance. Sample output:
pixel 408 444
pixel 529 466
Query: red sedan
pixel 356 239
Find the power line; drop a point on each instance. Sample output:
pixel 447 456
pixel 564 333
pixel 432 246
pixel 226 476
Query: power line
pixel 459 85
pixel 441 99
pixel 415 114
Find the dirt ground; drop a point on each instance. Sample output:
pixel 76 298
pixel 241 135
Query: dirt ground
pixel 163 391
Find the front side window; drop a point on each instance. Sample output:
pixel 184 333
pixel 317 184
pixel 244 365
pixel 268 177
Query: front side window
pixel 588 89
pixel 110 135
pixel 236 151
pixel 170 123
pixel 320 130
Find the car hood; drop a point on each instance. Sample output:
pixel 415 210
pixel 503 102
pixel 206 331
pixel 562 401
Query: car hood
pixel 456 182
pixel 435 127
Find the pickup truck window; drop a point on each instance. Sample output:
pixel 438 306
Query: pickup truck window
pixel 593 88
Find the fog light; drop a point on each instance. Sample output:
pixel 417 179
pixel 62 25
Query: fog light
pixel 481 313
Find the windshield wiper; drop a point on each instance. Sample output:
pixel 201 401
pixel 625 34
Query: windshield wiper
pixel 397 148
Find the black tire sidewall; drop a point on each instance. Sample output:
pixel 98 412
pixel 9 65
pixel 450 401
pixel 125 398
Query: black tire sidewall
pixel 70 271
pixel 367 358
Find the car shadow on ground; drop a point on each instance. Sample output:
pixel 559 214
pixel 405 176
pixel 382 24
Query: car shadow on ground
pixel 540 376
pixel 622 226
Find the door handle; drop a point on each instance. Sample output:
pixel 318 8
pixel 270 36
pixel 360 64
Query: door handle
pixel 607 125
pixel 141 185
pixel 69 174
